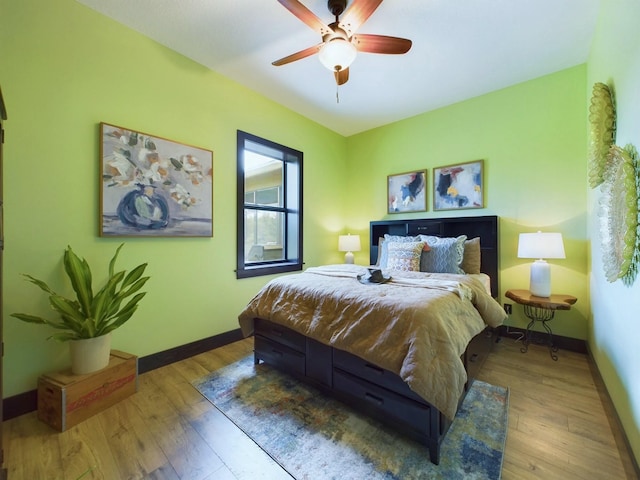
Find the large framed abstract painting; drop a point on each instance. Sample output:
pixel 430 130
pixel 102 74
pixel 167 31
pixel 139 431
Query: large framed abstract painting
pixel 154 187
pixel 406 192
pixel 458 186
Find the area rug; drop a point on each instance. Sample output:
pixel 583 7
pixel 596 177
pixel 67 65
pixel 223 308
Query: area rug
pixel 314 437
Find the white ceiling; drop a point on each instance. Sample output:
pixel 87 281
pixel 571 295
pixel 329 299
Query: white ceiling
pixel 461 49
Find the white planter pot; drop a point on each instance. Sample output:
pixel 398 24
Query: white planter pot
pixel 90 354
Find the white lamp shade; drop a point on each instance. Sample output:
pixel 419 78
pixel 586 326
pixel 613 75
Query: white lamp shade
pixel 349 244
pixel 540 245
pixel 337 54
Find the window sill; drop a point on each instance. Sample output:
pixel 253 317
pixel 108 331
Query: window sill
pixel 268 269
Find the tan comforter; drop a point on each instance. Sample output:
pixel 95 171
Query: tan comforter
pixel 417 325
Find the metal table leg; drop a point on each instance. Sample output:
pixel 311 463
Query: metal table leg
pixel 543 315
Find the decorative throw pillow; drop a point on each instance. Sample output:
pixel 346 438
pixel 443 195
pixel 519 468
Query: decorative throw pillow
pixel 472 256
pixel 445 255
pixel 404 256
pixel 384 242
pixel 380 244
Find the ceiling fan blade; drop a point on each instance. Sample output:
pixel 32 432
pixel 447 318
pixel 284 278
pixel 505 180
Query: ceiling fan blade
pixel 358 13
pixel 307 52
pixel 306 15
pixel 380 44
pixel 342 76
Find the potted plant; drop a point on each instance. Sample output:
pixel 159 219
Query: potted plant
pixel 88 320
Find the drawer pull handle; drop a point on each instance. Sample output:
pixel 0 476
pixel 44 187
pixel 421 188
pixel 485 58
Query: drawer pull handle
pixel 277 352
pixel 474 357
pixel 376 369
pixel 373 399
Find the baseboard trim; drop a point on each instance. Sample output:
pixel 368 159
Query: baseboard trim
pixel 166 357
pixel 631 464
pixel 19 404
pixel 563 343
pixel 28 401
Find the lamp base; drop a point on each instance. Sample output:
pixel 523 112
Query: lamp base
pixel 540 279
pixel 348 257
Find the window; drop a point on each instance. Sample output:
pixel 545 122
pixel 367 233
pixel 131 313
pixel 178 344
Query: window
pixel 269 207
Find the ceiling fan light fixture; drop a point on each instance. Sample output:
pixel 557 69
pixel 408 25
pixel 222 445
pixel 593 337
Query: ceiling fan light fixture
pixel 337 54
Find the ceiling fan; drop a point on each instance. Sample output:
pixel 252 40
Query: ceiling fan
pixel 340 43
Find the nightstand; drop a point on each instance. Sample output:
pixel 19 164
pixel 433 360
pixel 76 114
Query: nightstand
pixel 540 309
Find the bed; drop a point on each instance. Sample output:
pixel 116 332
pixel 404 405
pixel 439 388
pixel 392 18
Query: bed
pixel 405 350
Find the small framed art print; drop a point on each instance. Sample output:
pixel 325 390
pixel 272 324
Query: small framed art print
pixel 458 186
pixel 407 192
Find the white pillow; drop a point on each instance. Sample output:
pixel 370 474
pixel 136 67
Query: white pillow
pixel 404 256
pixel 383 243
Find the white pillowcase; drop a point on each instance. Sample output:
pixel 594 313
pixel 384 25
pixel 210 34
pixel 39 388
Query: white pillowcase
pixel 383 244
pixel 404 256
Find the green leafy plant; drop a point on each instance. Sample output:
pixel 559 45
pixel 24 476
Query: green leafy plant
pixel 90 315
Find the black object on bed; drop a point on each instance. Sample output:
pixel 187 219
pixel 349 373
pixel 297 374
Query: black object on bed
pixel 381 393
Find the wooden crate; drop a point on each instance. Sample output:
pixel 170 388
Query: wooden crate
pixel 65 399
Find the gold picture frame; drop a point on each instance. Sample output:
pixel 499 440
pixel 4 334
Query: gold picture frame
pixel 407 192
pixel 458 186
pixel 153 187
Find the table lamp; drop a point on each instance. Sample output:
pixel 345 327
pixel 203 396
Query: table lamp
pixel 349 244
pixel 540 246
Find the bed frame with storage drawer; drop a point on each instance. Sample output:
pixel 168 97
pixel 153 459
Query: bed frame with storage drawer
pixel 378 392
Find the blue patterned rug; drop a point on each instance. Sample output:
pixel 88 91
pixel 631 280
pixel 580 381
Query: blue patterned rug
pixel 314 437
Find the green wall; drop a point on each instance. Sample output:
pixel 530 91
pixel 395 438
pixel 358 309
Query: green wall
pixel 532 139
pixel 613 332
pixel 63 69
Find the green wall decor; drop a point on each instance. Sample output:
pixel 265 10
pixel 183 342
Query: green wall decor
pixel 619 215
pixel 602 131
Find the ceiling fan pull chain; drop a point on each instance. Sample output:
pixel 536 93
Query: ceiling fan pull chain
pixel 337 96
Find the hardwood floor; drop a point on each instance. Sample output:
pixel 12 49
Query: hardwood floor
pixel 559 427
pixel 561 423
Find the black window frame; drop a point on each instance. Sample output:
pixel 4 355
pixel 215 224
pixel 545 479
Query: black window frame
pixel 292 209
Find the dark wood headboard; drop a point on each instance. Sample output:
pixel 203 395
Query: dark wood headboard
pixel 485 227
